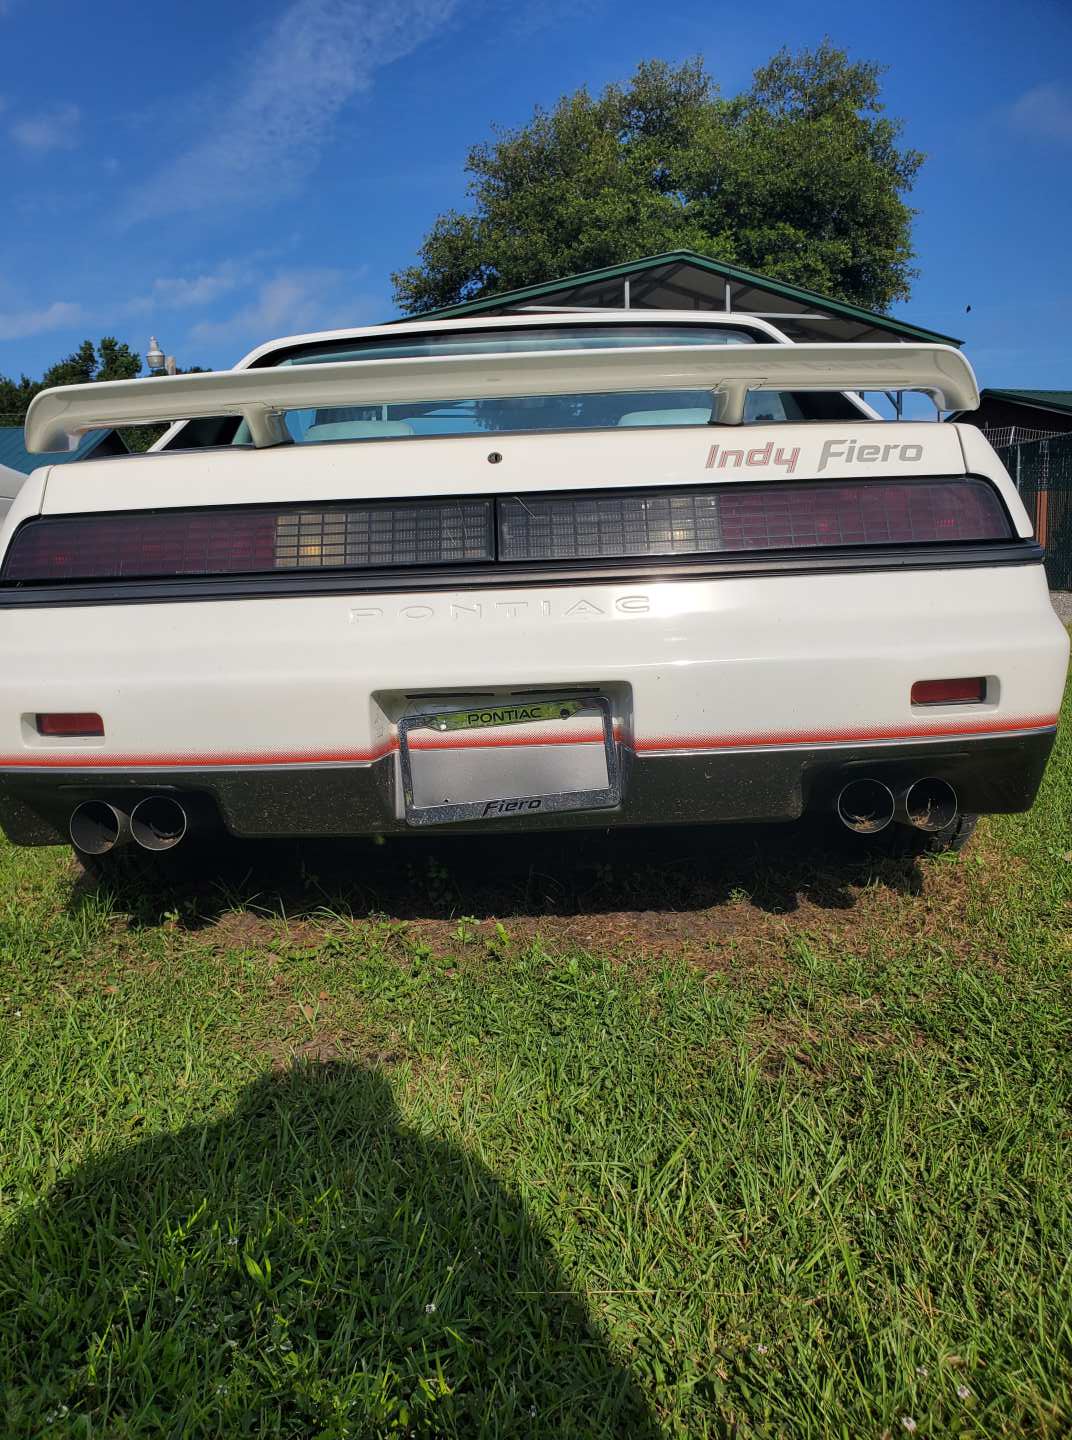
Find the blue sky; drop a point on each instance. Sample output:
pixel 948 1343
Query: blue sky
pixel 219 174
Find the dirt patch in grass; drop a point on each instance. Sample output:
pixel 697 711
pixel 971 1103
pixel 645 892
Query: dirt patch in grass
pixel 843 903
pixel 725 899
pixel 326 1047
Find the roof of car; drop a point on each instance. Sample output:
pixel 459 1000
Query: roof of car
pixel 421 324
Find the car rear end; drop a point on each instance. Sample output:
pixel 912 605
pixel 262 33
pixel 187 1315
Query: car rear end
pixel 632 625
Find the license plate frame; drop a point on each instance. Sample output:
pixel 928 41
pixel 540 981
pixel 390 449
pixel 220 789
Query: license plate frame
pixel 512 807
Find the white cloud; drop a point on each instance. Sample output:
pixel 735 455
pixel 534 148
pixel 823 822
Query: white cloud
pixel 187 292
pixel 1045 111
pixel 266 131
pixel 21 324
pixel 180 294
pixel 294 302
pixel 54 129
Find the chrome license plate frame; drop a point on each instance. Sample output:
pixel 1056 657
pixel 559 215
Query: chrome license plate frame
pixel 512 807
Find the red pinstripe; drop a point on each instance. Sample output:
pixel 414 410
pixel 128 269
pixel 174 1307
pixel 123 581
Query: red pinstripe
pixel 843 737
pixel 66 760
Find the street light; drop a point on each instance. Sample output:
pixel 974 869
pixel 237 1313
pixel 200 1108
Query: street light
pixel 154 357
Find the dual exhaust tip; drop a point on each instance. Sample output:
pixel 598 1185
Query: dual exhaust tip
pixel 156 823
pixel 867 806
pixel 159 822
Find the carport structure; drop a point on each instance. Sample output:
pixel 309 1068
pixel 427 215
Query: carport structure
pixel 686 280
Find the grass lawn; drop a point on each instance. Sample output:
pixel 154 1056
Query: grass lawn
pixel 676 1135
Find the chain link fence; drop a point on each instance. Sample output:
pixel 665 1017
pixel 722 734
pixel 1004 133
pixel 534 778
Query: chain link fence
pixel 1042 471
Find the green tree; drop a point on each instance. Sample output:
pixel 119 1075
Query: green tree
pixel 109 359
pixel 78 368
pixel 116 360
pixel 801 177
pixel 15 397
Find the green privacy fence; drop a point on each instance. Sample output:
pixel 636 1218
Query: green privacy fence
pixel 1042 470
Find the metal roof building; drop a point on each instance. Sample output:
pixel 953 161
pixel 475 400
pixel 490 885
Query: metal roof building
pixel 686 280
pixel 15 456
pixel 1013 417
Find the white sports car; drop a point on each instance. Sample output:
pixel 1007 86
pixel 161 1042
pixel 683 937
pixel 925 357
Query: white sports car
pixel 543 570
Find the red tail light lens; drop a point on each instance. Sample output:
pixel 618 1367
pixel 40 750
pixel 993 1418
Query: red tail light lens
pixel 575 525
pixel 69 723
pixel 949 692
pixel 249 541
pixel 875 513
pixel 748 516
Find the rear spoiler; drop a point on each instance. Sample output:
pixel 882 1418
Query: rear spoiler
pixel 261 397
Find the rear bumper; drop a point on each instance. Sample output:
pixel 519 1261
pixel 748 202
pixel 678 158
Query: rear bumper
pixel 733 699
pixel 996 773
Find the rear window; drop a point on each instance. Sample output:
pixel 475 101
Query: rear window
pixel 513 340
pixel 522 413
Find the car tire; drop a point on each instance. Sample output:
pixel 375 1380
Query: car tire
pixel 953 838
pixel 130 865
pixel 902 842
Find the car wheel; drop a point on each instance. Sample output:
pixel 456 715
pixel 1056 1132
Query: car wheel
pixel 954 837
pixel 130 865
pixel 902 842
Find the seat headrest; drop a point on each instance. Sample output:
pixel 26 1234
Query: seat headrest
pixel 692 415
pixel 358 430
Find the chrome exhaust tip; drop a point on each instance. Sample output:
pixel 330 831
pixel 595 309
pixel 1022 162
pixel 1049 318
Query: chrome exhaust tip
pixel 95 827
pixel 865 806
pixel 158 822
pixel 929 805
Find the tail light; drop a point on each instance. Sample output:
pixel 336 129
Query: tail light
pixel 739 518
pixel 248 541
pixel 748 516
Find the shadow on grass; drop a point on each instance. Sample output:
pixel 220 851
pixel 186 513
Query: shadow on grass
pixel 307 1265
pixel 674 870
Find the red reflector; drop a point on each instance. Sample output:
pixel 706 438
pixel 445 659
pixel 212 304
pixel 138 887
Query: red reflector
pixel 70 723
pixel 949 692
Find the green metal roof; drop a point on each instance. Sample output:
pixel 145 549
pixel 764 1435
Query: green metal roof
pixel 1059 400
pixel 14 454
pixel 733 273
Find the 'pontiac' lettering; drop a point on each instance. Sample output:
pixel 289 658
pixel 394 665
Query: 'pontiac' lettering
pixel 510 715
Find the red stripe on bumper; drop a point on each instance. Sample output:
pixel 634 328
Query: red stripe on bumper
pixel 934 730
pixel 69 759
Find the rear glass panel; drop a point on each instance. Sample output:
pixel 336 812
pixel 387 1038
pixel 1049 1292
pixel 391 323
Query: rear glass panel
pixel 519 414
pixel 519 340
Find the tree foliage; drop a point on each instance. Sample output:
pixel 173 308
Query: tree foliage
pixel 801 178
pixel 109 359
